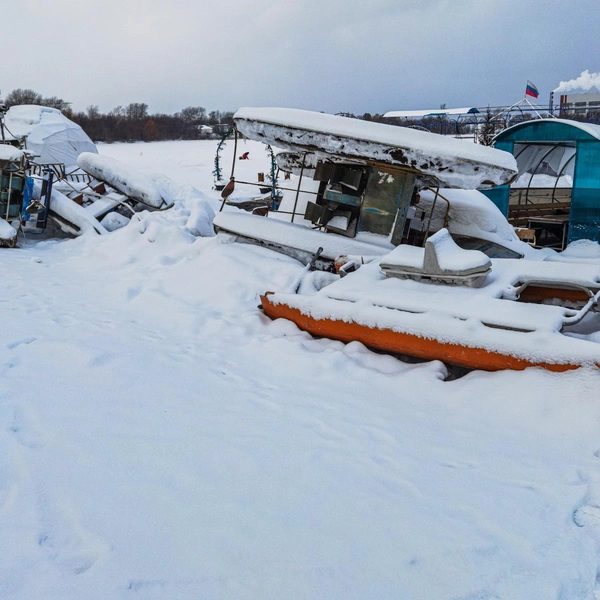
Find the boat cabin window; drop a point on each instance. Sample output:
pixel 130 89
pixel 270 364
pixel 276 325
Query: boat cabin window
pixel 355 198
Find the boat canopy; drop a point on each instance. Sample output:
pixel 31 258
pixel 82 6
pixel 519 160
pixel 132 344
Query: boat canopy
pixel 454 163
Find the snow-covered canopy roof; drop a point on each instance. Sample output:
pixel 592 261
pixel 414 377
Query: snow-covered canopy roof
pixel 435 112
pixel 49 134
pixel 455 163
pixel 586 128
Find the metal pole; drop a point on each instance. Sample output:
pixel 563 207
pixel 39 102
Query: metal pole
pixel 234 153
pixel 437 192
pixel 10 179
pixel 298 188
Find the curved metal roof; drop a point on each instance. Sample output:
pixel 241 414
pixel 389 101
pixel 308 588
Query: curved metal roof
pixel 555 130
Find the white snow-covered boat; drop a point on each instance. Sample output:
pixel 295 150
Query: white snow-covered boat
pixel 445 303
pixel 363 179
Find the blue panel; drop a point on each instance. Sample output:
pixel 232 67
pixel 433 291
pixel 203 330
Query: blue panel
pixel 585 201
pixel 333 196
pixel 499 195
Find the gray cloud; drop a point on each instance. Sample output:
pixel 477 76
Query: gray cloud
pixel 318 54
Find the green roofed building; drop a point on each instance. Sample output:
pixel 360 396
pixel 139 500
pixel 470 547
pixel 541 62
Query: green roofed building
pixel 557 192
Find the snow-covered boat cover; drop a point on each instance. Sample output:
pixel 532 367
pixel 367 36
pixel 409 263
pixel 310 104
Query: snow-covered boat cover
pixel 455 163
pixel 8 152
pixel 49 134
pixel 123 178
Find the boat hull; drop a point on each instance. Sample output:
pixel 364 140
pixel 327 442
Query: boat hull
pixel 396 342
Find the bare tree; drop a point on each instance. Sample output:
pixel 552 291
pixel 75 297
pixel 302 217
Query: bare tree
pixel 93 112
pixel 193 114
pixel 137 110
pixel 22 96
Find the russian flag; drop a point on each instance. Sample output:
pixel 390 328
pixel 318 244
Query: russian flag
pixel 531 90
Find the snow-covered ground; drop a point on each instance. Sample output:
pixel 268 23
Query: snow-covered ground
pixel 161 439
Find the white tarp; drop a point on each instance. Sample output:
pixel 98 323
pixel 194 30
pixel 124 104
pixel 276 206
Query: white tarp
pixel 49 134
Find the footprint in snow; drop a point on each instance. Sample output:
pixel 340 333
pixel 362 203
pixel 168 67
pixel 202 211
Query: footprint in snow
pixel 22 342
pixel 13 362
pixel 67 545
pixel 27 429
pixel 133 292
pixel 587 516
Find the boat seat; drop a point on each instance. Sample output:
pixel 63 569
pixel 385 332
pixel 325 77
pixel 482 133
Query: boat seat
pixel 441 261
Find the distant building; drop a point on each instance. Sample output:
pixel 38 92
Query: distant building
pixel 205 131
pixel 580 103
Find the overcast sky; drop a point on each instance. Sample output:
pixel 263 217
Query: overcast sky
pixel 329 55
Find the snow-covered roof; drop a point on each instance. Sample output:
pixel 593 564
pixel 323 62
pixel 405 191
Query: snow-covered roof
pixel 434 112
pixel 8 152
pixel 589 128
pixel 49 134
pixel 457 163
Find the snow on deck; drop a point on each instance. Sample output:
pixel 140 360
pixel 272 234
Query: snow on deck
pixel 295 236
pixel 161 438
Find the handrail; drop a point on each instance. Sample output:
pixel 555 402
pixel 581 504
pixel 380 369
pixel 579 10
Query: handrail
pixel 578 317
pixel 437 193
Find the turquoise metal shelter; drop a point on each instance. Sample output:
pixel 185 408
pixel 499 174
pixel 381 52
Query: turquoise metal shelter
pixel 555 147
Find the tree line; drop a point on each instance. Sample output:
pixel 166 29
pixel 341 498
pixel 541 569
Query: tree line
pixel 133 122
